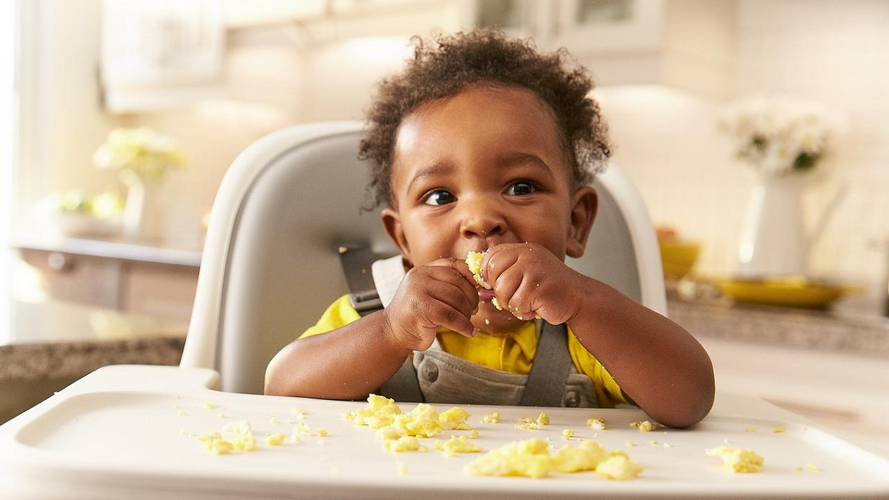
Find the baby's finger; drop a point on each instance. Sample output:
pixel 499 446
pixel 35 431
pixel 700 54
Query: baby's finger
pixel 452 319
pixel 458 265
pixel 449 276
pixel 496 260
pixel 454 295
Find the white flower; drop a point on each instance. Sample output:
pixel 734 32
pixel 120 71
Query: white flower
pixel 142 151
pixel 780 136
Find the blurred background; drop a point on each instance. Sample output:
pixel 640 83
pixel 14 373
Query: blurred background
pixel 755 130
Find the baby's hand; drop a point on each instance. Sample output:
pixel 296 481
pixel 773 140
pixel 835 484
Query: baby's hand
pixel 439 294
pixel 530 281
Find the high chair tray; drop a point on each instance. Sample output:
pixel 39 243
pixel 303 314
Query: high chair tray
pixel 130 432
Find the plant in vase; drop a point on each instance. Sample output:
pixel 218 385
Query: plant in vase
pixel 784 141
pixel 144 158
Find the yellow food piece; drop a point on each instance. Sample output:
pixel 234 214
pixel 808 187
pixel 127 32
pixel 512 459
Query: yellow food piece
pixel 454 419
pixel 619 468
pixel 567 434
pixel 473 434
pixel 388 433
pixel 322 432
pixel 379 412
pixel 543 419
pixel 813 467
pixel 209 406
pixel 496 304
pixel 597 424
pixel 492 418
pixel 402 444
pixel 532 458
pixel 778 430
pixel 215 444
pixel 240 427
pixel 474 261
pixel 738 460
pixel 245 443
pixel 422 421
pixel 456 445
pixel 302 429
pixel 644 426
pixel 275 439
pixel 401 468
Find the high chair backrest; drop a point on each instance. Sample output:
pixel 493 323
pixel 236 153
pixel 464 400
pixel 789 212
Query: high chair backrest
pixel 271 265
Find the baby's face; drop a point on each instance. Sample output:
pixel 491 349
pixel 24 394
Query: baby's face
pixel 481 168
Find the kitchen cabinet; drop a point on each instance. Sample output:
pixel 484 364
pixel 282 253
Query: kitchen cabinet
pixel 160 54
pixel 130 278
pixel 685 44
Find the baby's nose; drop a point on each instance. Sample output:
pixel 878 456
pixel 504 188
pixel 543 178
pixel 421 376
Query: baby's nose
pixel 482 221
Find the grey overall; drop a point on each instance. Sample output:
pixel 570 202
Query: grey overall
pixel 434 376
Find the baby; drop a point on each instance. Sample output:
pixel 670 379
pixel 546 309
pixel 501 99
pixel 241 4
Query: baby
pixel 482 144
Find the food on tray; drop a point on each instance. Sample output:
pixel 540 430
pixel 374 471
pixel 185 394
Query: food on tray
pixel 532 458
pixel 567 434
pixel 738 460
pixel 394 427
pixel 596 423
pixel 491 418
pixel 456 445
pixel 275 439
pixel 533 425
pixel 644 426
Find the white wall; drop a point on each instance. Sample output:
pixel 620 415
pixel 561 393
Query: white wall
pixel 833 52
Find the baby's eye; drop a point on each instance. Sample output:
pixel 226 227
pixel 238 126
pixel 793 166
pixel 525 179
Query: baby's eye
pixel 438 197
pixel 521 188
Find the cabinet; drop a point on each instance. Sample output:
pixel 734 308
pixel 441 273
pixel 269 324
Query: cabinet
pixel 686 44
pixel 162 290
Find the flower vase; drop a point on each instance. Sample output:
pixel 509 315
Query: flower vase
pixel 143 214
pixel 774 241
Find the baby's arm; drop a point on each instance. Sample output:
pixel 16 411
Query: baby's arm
pixel 658 364
pixel 355 360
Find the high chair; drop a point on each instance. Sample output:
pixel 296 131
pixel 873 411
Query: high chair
pixel 293 199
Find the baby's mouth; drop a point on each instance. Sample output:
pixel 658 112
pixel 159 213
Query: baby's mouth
pixel 485 294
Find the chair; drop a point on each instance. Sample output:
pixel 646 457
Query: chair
pixel 270 265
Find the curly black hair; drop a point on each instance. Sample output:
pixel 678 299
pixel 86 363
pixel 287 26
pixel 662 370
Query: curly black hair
pixel 446 65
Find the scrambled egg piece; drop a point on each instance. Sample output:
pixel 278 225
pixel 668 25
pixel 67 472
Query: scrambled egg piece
pixel 380 412
pixel 644 426
pixel 618 467
pixel 402 444
pixel 496 304
pixel 738 460
pixel 474 261
pixel 275 439
pixel 215 444
pixel 597 424
pixel 454 419
pixel 422 421
pixel 533 425
pixel 456 445
pixel 567 434
pixel 532 458
pixel 492 418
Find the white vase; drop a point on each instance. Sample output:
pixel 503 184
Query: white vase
pixel 775 241
pixel 143 215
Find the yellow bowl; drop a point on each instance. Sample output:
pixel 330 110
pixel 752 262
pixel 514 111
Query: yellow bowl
pixel 678 257
pixel 785 291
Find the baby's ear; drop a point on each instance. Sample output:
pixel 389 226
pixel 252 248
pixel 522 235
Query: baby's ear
pixel 584 204
pixel 392 225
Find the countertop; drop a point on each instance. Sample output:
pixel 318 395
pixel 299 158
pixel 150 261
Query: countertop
pixel 62 340
pixel 834 331
pixel 118 248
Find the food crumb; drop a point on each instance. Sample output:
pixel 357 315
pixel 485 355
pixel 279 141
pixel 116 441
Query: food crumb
pixel 473 434
pixel 209 406
pixel 738 460
pixel 813 467
pixel 275 439
pixel 491 418
pixel 644 426
pixel 778 430
pixel 322 432
pixel 596 423
pixel 567 434
pixel 401 468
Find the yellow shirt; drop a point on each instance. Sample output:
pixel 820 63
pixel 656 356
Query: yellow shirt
pixel 512 353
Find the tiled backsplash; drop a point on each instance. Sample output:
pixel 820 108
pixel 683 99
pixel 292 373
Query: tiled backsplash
pixel 821 50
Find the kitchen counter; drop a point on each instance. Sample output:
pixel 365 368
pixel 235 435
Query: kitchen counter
pixel 51 344
pixel 838 332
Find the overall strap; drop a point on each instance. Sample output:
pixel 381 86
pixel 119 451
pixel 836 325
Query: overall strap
pixel 357 264
pixel 549 371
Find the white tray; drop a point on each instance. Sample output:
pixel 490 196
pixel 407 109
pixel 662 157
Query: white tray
pixel 117 433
